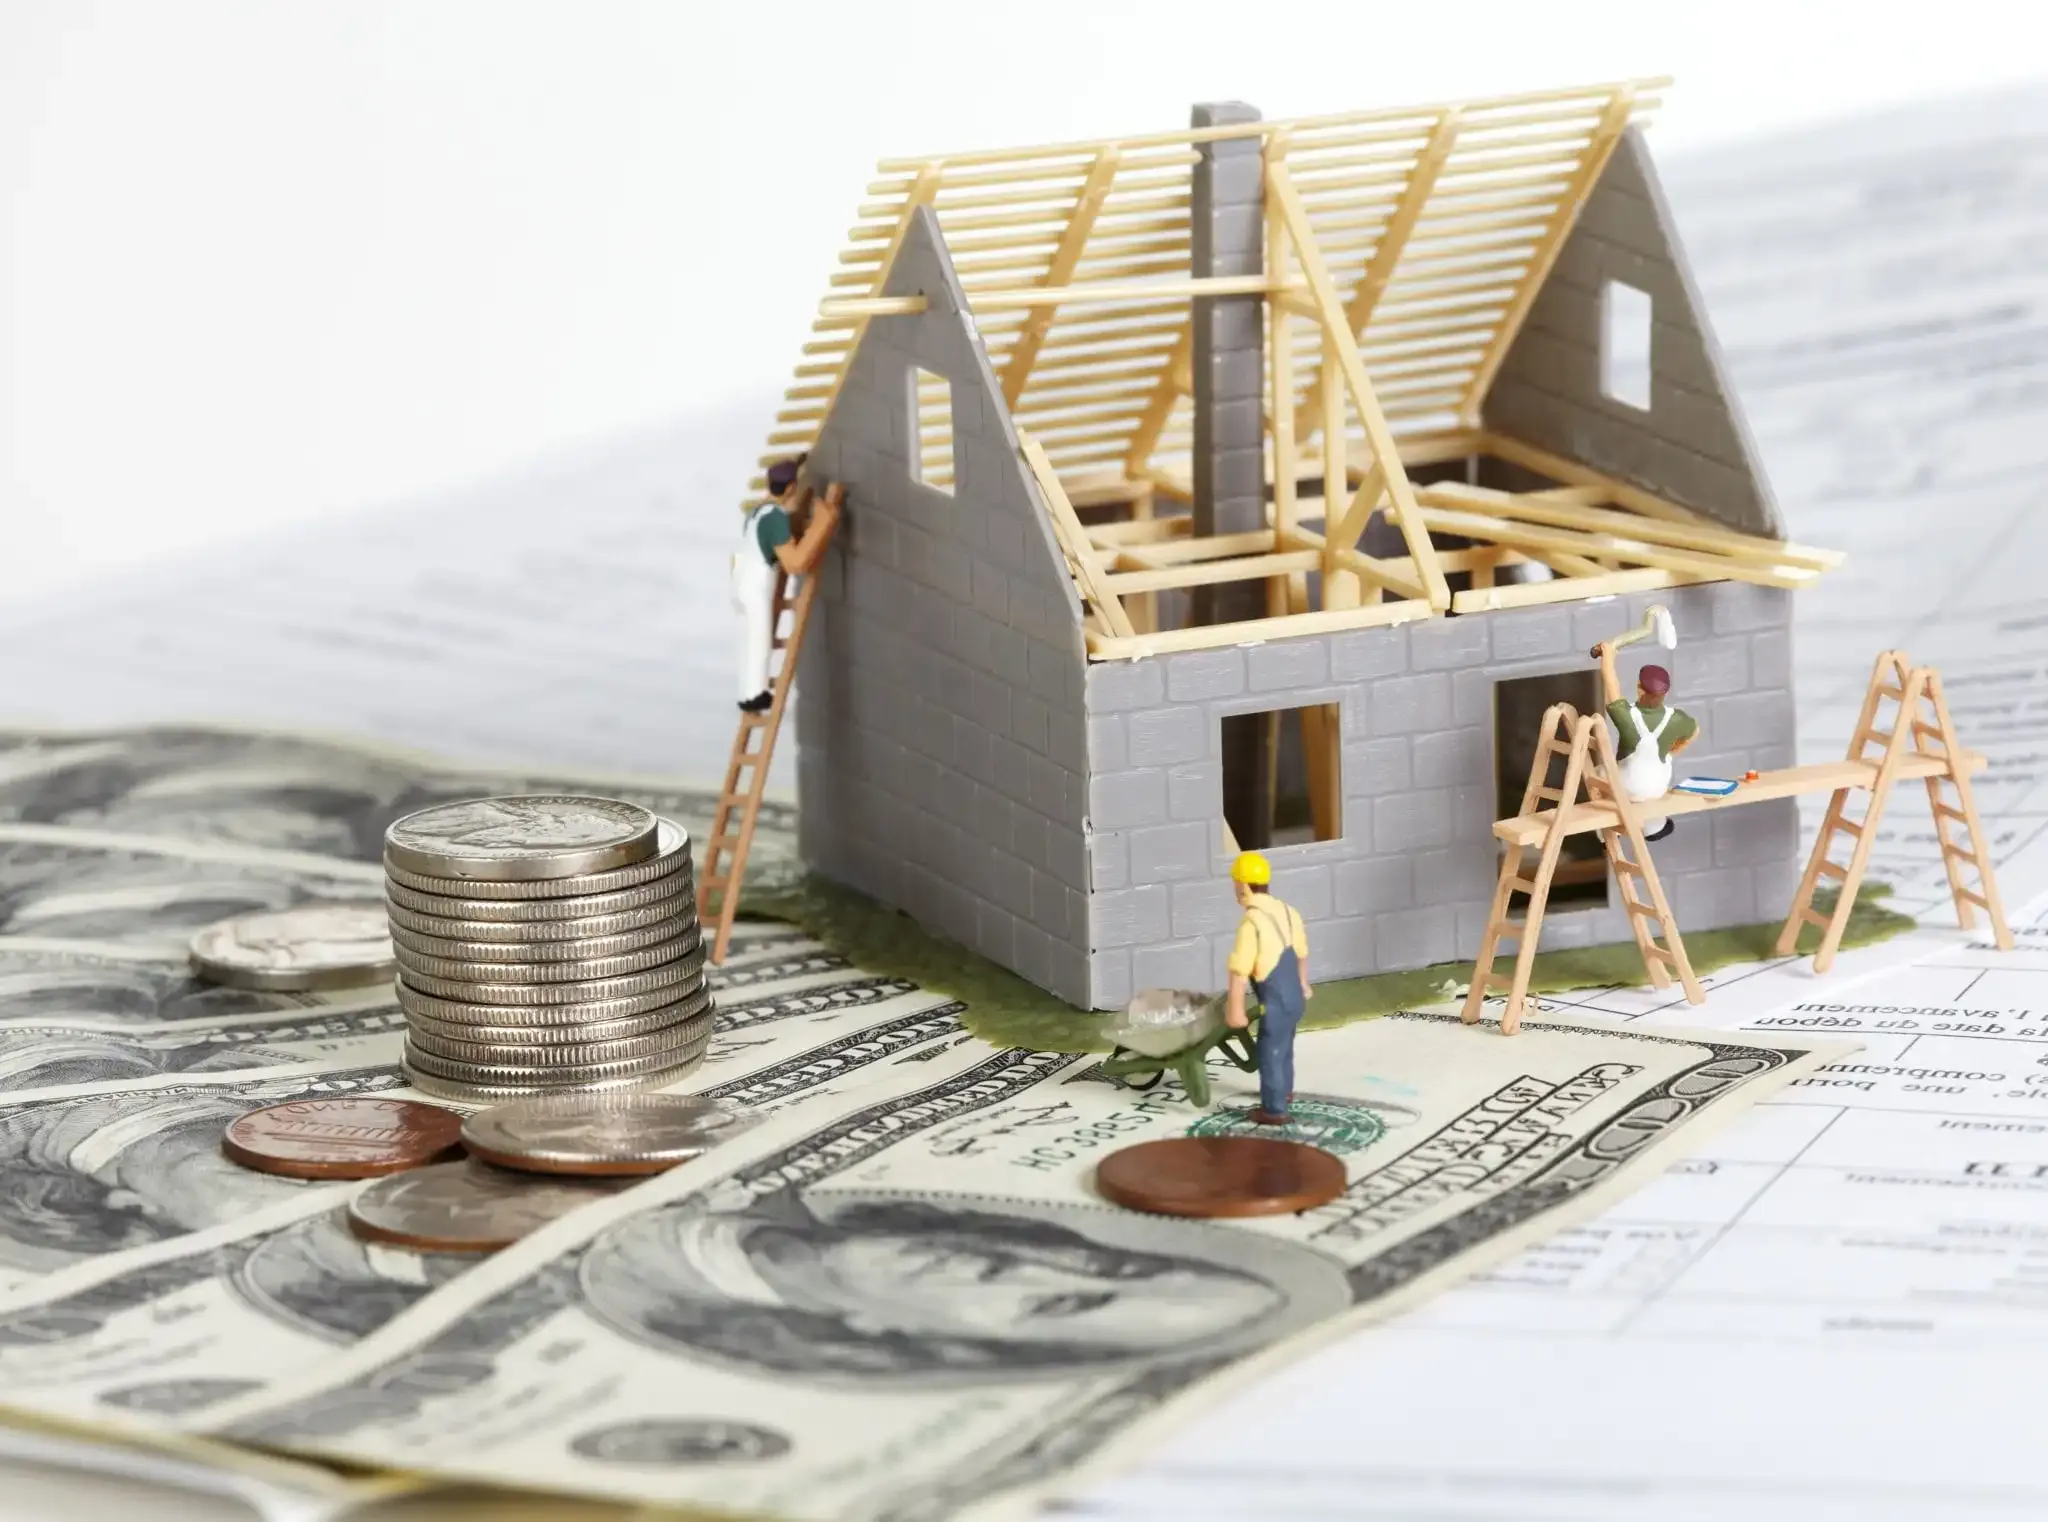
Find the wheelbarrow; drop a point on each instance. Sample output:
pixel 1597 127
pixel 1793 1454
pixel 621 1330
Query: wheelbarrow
pixel 1166 1030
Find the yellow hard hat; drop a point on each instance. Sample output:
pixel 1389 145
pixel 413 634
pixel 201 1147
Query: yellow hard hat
pixel 1251 868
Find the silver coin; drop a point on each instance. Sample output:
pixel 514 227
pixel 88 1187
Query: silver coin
pixel 542 1060
pixel 474 1073
pixel 417 966
pixel 588 949
pixel 423 1026
pixel 465 1206
pixel 538 836
pixel 677 881
pixel 341 945
pixel 462 1011
pixel 685 969
pixel 484 1094
pixel 667 910
pixel 671 855
pixel 602 1134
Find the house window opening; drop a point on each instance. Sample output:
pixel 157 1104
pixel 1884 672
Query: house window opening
pixel 1282 777
pixel 1625 321
pixel 1580 881
pixel 931 403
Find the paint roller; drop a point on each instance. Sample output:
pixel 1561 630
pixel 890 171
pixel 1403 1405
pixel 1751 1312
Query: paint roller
pixel 1656 625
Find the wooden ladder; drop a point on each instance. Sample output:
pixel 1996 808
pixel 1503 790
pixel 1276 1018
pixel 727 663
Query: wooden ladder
pixel 1590 769
pixel 1919 726
pixel 739 803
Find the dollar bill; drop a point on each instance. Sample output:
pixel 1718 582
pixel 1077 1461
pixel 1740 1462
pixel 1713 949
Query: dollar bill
pixel 139 986
pixel 153 894
pixel 41 1056
pixel 296 792
pixel 158 1334
pixel 919 1304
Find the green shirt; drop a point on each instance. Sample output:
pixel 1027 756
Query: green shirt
pixel 1680 729
pixel 771 527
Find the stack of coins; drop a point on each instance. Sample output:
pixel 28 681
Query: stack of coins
pixel 545 945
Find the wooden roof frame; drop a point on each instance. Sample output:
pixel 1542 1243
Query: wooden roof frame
pixel 1405 245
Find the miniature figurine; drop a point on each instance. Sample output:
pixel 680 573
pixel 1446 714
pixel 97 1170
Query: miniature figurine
pixel 1271 958
pixel 765 546
pixel 1647 732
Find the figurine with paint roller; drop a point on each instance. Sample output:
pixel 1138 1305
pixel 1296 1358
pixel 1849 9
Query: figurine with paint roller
pixel 1648 731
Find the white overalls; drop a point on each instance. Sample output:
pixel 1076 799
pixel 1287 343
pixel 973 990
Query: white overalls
pixel 1645 773
pixel 753 598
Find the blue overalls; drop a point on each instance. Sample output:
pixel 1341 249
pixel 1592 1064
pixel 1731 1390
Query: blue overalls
pixel 1279 993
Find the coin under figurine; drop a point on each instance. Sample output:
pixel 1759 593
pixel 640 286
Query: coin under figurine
pixel 1211 1177
pixel 310 948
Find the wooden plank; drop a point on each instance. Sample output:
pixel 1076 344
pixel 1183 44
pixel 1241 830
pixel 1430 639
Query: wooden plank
pixel 1187 548
pixel 1531 594
pixel 1393 238
pixel 1386 453
pixel 1819 777
pixel 1258 631
pixel 1074 539
pixel 1613 121
pixel 1565 507
pixel 1543 542
pixel 1169 390
pixel 1392 574
pixel 1204 573
pixel 1140 531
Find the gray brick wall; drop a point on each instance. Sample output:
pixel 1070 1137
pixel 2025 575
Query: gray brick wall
pixel 1409 883
pixel 1692 445
pixel 942 741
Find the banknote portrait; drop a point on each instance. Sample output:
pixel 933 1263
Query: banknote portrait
pixel 930 1288
pixel 317 1278
pixel 103 1173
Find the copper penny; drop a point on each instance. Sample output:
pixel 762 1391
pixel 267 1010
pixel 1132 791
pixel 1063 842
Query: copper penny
pixel 467 1206
pixel 1220 1176
pixel 342 1138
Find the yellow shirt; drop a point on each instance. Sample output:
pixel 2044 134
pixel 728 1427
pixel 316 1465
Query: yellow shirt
pixel 1268 928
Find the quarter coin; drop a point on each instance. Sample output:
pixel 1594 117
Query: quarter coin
pixel 342 1138
pixel 315 946
pixel 471 989
pixel 424 1027
pixel 675 881
pixel 479 1092
pixel 649 917
pixel 575 970
pixel 552 1074
pixel 672 999
pixel 671 854
pixel 556 1056
pixel 538 836
pixel 466 1206
pixel 602 1134
pixel 586 949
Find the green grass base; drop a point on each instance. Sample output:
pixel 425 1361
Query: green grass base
pixel 1004 1009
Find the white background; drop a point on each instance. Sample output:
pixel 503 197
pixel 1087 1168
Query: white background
pixel 260 262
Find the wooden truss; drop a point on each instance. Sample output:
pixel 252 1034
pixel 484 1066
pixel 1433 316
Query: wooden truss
pixel 1404 250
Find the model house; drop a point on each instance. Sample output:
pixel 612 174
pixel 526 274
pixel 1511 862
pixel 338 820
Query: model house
pixel 1260 485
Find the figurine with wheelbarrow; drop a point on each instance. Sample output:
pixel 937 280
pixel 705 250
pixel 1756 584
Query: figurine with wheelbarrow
pixel 1173 1030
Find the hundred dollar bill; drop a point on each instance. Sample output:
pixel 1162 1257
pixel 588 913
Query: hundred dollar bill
pixel 138 987
pixel 153 894
pixel 919 1305
pixel 297 792
pixel 158 1334
pixel 124 1165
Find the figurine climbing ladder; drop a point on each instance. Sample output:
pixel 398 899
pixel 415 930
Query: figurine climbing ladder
pixel 746 771
pixel 1922 731
pixel 1590 768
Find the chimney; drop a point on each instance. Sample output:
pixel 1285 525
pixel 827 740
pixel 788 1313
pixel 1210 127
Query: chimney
pixel 1229 359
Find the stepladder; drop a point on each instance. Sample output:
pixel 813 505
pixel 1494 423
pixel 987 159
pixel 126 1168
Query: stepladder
pixel 1591 777
pixel 724 863
pixel 1904 731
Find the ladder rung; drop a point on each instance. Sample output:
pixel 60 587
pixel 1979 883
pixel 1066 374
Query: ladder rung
pixel 1522 885
pixel 1887 690
pixel 1623 864
pixel 1505 929
pixel 1829 869
pixel 1812 918
pixel 1976 898
pixel 1661 953
pixel 1943 811
pixel 1550 794
pixel 1645 911
pixel 1922 727
pixel 1957 853
pixel 1881 736
pixel 1849 827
